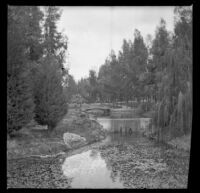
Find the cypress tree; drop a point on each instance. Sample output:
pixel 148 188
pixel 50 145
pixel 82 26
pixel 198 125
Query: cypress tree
pixel 50 101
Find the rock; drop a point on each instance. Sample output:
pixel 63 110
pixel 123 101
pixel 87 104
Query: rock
pixel 72 140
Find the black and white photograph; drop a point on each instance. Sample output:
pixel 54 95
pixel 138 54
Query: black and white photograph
pixel 99 97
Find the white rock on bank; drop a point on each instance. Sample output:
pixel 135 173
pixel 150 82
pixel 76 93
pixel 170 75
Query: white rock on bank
pixel 73 140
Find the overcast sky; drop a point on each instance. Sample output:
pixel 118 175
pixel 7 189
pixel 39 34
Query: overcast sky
pixel 93 31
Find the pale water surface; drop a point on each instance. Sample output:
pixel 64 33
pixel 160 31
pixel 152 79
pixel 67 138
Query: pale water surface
pixel 89 170
pixel 126 161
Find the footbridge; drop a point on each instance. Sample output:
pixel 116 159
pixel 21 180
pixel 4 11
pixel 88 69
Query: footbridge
pixel 106 111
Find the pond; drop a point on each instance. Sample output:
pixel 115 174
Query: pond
pixel 128 124
pixel 122 160
pixel 127 161
pixel 89 170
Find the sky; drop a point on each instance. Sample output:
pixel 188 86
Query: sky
pixel 93 31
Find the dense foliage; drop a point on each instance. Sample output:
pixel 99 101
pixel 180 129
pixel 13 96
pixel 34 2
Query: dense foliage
pixel 20 104
pixel 35 72
pixel 156 74
pixel 51 103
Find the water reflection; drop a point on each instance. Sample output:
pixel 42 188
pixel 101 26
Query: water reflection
pixel 126 161
pixel 109 167
pixel 89 170
pixel 125 138
pixel 124 125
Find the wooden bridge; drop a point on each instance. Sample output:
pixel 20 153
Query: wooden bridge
pixel 106 111
pixel 114 113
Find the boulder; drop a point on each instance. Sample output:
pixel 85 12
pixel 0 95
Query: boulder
pixel 72 140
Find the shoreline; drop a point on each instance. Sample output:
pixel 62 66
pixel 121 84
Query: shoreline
pixel 45 156
pixel 180 143
pixel 174 144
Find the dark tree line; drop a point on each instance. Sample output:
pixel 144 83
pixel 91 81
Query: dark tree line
pixel 158 75
pixel 36 77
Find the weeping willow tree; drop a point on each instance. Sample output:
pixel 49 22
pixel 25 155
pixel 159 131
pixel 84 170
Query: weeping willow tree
pixel 174 112
pixel 176 121
pixel 180 108
pixel 174 85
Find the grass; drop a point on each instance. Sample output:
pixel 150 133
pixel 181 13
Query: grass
pixel 181 142
pixel 33 141
pixel 22 146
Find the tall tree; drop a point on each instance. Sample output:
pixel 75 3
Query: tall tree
pixel 55 43
pixel 175 103
pixel 158 51
pixel 50 100
pixel 34 34
pixel 93 85
pixel 51 103
pixel 70 87
pixel 139 62
pixel 83 87
pixel 19 92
